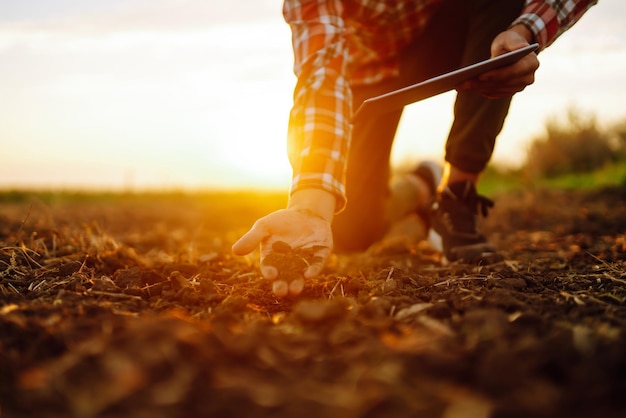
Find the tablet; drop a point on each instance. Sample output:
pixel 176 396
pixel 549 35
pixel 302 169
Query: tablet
pixel 399 98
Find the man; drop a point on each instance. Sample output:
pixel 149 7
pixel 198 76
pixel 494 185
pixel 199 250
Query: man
pixel 347 51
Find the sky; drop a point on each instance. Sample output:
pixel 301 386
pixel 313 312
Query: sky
pixel 188 94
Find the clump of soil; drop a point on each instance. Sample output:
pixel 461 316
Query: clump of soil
pixel 134 306
pixel 291 263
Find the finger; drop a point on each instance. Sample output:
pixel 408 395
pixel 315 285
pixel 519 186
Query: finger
pixel 280 288
pixel 506 88
pixel 498 84
pixel 296 287
pixel 525 68
pixel 466 85
pixel 496 93
pixel 501 76
pixel 316 267
pixel 313 270
pixel 507 42
pixel 250 240
pixel 269 272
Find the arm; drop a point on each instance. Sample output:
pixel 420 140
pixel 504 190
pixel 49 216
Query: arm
pixel 319 122
pixel 318 139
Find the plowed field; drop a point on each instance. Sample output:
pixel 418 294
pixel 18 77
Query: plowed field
pixel 133 306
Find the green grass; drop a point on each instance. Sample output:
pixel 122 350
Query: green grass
pixel 610 175
pixel 493 181
pixel 496 180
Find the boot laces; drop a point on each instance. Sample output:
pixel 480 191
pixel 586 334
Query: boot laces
pixel 468 202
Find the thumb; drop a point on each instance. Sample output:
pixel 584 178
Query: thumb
pixel 250 240
pixel 509 41
pixel 516 43
pixel 316 267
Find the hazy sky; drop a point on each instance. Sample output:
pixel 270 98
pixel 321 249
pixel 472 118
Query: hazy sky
pixel 195 93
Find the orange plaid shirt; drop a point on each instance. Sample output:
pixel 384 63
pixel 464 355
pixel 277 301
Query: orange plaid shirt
pixel 339 43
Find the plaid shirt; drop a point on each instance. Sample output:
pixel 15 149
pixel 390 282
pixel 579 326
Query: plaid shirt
pixel 339 43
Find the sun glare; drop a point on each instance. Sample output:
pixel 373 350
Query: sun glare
pixel 191 103
pixel 257 141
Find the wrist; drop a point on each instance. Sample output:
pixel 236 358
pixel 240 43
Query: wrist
pixel 318 202
pixel 524 32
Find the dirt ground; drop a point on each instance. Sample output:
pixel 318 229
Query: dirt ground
pixel 133 306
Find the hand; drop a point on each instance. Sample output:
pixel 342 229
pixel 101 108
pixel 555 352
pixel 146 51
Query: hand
pixel 304 225
pixel 506 81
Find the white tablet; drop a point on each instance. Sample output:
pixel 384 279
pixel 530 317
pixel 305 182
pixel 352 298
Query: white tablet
pixel 399 98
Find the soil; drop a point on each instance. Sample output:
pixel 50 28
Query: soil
pixel 133 306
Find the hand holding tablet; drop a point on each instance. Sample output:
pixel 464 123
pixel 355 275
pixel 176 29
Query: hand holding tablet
pixel 399 98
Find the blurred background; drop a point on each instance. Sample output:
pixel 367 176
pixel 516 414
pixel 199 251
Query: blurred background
pixel 130 95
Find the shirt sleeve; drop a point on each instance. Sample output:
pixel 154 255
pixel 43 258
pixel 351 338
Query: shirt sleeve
pixel 319 128
pixel 549 19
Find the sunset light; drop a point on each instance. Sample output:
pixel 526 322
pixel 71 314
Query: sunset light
pixel 160 257
pixel 190 94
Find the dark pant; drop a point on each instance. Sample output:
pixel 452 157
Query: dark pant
pixel 459 34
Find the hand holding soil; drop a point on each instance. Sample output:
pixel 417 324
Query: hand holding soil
pixel 291 265
pixel 295 245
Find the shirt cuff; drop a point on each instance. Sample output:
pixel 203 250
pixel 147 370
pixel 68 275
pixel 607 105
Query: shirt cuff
pixel 542 21
pixel 323 181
